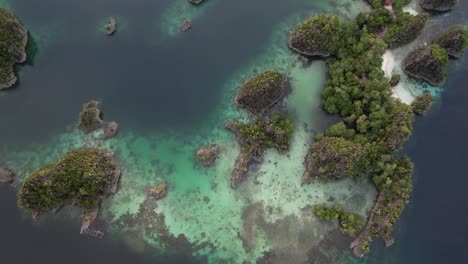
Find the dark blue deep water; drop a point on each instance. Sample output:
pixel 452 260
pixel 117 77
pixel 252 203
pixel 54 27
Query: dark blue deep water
pixel 72 56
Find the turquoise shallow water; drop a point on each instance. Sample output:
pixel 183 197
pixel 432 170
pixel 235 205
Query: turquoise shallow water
pixel 171 94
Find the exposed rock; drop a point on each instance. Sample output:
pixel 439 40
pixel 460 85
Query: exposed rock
pixel 6 176
pixel 395 80
pixel 90 117
pixel 454 41
pixel 186 25
pixel 110 27
pixel 240 169
pixel 429 64
pixel 261 92
pixel 110 129
pixel 13 40
pixel 438 5
pixel 158 191
pixel 87 219
pixel 90 120
pixel 317 36
pixel 208 155
pixel 196 2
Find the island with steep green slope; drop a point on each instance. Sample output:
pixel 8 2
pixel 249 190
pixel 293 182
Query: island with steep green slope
pixel 82 178
pixel 261 92
pixel 13 40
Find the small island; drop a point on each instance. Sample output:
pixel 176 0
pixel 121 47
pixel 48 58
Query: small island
pixel 186 25
pixel 438 5
pixel 429 63
pixel 454 41
pixel 80 178
pixel 90 120
pixel 422 103
pixel 208 155
pixel 110 27
pixel 272 131
pixel 158 191
pixel 6 176
pixel 261 92
pixel 13 40
pixel 316 36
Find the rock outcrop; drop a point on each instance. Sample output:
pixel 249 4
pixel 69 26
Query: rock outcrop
pixel 90 120
pixel 158 191
pixel 186 25
pixel 454 41
pixel 208 155
pixel 438 5
pixel 111 26
pixel 261 92
pixel 429 64
pixel 196 2
pixel 6 176
pixel 13 40
pixel 395 80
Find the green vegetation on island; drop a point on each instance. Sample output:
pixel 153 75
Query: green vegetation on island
pixel 375 125
pixel 335 158
pixel 350 224
pixel 81 177
pixel 422 103
pixel 393 180
pixel 454 41
pixel 90 120
pixel 13 40
pixel 273 131
pixel 405 28
pixel 317 36
pixel 261 92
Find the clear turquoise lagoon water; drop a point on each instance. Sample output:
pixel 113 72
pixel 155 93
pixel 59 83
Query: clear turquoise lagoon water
pixel 171 93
